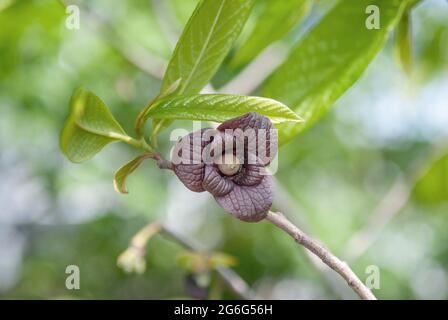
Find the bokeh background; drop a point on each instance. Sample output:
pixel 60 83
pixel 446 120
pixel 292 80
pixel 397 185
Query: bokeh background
pixel 370 180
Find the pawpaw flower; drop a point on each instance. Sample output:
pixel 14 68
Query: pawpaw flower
pixel 229 162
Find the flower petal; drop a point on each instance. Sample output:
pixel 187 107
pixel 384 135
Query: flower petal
pixel 251 120
pixel 215 183
pixel 191 175
pixel 256 137
pixel 250 175
pixel 187 160
pixel 248 203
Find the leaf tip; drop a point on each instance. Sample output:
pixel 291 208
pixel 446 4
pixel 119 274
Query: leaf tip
pixel 123 172
pixel 298 118
pixel 120 188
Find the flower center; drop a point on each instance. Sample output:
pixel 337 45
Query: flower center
pixel 229 165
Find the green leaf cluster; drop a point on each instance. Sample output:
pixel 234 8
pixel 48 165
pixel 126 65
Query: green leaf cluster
pixel 206 40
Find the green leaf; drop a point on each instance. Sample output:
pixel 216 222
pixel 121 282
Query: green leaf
pixel 403 42
pixel 205 41
pixel 432 187
pixel 122 173
pixel 203 45
pixel 329 59
pixel 276 20
pixel 220 107
pixel 89 127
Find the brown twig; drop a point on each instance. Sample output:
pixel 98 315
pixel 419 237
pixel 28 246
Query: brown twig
pixel 162 163
pixel 238 285
pixel 284 203
pixel 323 253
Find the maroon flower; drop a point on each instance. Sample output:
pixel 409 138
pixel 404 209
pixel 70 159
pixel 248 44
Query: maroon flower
pixel 229 162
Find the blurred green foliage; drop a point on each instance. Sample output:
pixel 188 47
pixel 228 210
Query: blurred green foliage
pixel 54 213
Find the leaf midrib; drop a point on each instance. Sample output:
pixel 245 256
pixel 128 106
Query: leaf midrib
pixel 204 110
pixel 106 134
pixel 204 48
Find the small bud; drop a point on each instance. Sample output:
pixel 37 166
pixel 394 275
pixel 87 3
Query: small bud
pixel 132 260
